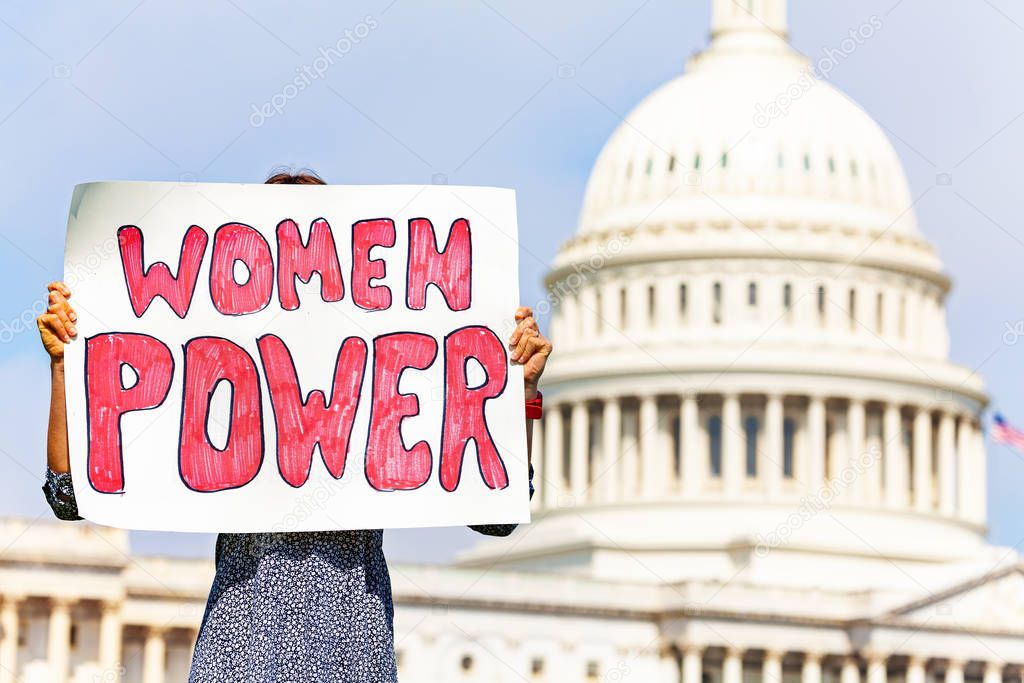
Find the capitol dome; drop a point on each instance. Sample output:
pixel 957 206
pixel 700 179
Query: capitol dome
pixel 749 118
pixel 751 369
pixel 750 121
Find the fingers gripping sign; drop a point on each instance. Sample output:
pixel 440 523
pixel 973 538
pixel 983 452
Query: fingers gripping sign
pixel 57 324
pixel 530 349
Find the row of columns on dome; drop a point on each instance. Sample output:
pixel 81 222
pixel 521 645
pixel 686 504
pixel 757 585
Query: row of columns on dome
pixel 928 458
pixel 63 616
pixel 696 664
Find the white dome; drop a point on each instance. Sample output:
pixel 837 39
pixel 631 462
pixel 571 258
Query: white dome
pixel 825 155
pixel 750 135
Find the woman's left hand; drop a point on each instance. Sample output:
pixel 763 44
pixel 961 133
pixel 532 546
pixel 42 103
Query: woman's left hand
pixel 530 349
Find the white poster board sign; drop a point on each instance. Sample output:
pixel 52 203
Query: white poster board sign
pixel 294 358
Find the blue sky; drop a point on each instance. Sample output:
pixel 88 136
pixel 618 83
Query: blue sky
pixel 487 92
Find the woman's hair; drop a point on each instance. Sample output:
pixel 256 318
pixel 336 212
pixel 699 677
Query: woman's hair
pixel 304 176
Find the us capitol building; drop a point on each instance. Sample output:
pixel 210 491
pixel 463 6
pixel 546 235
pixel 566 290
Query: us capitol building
pixel 757 464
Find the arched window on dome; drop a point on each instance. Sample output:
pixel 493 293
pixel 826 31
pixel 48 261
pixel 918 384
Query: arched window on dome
pixel 752 302
pixel 830 437
pixel 788 447
pixel 715 446
pixel 696 161
pixel 622 307
pixel 716 303
pixel 649 168
pixel 598 317
pixel 565 415
pixel 725 159
pixel 903 316
pixel 879 313
pixel 682 302
pixel 537 666
pixel 831 165
pixel 908 452
pixel 821 305
pixel 807 162
pixel 851 311
pixel 466 663
pixel 672 163
pixel 750 430
pixel 677 446
pixel 652 304
pixel 787 301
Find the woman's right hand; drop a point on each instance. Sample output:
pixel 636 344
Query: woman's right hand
pixel 57 324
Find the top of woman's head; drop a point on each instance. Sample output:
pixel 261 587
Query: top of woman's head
pixel 302 177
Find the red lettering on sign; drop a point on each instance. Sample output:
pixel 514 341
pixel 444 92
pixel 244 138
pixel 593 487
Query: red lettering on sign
pixel 235 242
pixel 297 260
pixel 389 465
pixel 144 284
pixel 304 423
pixel 448 270
pixel 204 467
pixel 107 398
pixel 379 232
pixel 464 405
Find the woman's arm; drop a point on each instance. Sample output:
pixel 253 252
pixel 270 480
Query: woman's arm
pixel 57 328
pixel 531 350
pixel 57 429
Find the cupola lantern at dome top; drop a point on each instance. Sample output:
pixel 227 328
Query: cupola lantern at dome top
pixel 748 16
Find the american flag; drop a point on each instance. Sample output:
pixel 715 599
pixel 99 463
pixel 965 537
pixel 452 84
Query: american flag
pixel 1005 433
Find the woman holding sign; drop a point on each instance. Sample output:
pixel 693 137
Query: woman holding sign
pixel 284 606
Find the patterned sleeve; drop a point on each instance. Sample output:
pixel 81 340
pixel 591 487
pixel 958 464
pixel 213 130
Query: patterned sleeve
pixel 500 529
pixel 60 494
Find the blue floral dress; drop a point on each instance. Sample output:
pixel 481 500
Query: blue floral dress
pixel 295 607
